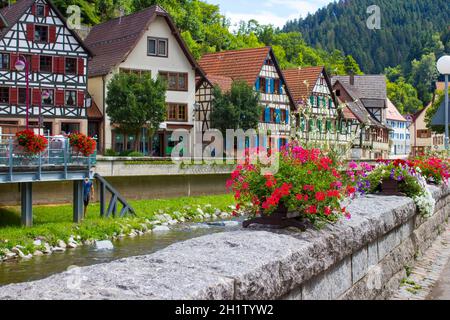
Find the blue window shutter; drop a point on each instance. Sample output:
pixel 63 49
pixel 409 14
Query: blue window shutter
pixel 257 84
pixel 267 115
pixel 272 85
pixel 281 86
pixel 278 116
pixel 287 116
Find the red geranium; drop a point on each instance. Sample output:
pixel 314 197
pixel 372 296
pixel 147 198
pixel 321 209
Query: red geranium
pixel 31 142
pixel 86 145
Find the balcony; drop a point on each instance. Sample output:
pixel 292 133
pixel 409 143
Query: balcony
pixel 58 162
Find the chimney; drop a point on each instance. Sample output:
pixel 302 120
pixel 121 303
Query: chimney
pixel 352 78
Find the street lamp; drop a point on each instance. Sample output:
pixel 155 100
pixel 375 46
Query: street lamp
pixel 45 94
pixel 20 66
pixel 443 66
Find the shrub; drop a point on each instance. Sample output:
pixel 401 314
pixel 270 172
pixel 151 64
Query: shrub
pixel 110 153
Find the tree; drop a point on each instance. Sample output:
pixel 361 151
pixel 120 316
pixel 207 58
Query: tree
pixel 135 102
pixel 423 73
pixel 238 108
pixel 432 111
pixel 351 66
pixel 403 96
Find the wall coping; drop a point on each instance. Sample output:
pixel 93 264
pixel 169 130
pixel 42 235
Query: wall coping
pixel 250 264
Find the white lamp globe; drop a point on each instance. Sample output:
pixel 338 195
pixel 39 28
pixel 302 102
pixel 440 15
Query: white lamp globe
pixel 443 65
pixel 20 65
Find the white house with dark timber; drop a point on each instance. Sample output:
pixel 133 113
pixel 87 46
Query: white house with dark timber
pixel 36 32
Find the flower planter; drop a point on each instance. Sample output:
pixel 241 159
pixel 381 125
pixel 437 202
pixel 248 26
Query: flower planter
pixel 390 187
pixel 278 219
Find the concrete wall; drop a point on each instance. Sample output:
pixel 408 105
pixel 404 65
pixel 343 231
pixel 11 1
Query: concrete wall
pixel 132 188
pixel 361 258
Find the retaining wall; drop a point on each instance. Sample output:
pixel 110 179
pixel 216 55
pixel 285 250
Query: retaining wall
pixel 361 258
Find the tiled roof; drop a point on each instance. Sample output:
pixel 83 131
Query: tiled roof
pixel 348 114
pixel 242 64
pixel 13 13
pixel 94 112
pixel 301 81
pixel 393 113
pixel 223 82
pixel 112 41
pixel 371 88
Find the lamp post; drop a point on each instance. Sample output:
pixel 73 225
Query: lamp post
pixel 44 96
pixel 443 66
pixel 20 66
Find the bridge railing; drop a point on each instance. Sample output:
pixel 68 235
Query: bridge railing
pixel 59 155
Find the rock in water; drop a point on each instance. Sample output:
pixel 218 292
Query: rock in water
pixel 104 245
pixel 161 229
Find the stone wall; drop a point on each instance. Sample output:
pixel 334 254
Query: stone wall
pixel 361 258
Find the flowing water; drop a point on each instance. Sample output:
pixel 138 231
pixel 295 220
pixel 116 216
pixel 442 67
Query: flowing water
pixel 44 266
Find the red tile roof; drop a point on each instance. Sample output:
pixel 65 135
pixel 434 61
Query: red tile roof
pixel 242 64
pixel 348 114
pixel 301 81
pixel 112 41
pixel 223 82
pixel 393 113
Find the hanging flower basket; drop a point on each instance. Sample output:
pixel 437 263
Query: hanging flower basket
pixel 83 144
pixel 29 143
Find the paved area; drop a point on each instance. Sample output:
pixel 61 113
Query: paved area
pixel 429 278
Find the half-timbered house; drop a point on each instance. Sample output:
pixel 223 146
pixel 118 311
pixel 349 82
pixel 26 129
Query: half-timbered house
pixel 57 61
pixel 320 118
pixel 368 94
pixel 259 68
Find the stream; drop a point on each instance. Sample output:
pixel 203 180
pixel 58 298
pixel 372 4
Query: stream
pixel 44 266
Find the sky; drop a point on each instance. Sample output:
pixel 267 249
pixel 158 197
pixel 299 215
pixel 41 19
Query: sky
pixel 275 12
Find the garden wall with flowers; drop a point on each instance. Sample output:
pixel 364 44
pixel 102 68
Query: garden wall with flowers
pixel 341 232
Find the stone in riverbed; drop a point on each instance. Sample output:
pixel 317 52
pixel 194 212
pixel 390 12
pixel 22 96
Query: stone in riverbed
pixel 161 229
pixel 38 253
pixel 72 245
pixel 37 243
pixel 62 244
pixel 104 245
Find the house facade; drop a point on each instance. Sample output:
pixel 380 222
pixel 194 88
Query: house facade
pixel 36 33
pixel 144 42
pixel 400 136
pixel 367 96
pixel 259 68
pixel 320 120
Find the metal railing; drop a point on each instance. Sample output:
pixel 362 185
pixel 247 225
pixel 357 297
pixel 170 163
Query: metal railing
pixel 58 156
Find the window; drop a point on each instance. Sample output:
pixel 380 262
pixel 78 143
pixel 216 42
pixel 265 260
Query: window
pixel 46 64
pixel 424 134
pixel 71 98
pixel 4 61
pixel 4 95
pixel 177 112
pixel 23 95
pixel 70 127
pixel 175 81
pixel 338 93
pixel 157 47
pixel 71 65
pixel 40 10
pixel 41 33
pixel 138 72
pixel 50 100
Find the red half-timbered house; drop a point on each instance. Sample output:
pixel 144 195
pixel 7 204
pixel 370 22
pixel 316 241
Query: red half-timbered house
pixel 36 32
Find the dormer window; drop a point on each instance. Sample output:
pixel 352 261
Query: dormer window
pixel 157 47
pixel 40 10
pixel 41 33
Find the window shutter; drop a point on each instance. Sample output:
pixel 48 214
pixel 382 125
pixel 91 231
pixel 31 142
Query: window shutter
pixel 277 116
pixel 59 98
pixel 30 32
pixel 55 64
pixel 47 10
pixel 267 85
pixel 36 97
pixel 287 116
pixel 81 67
pixel 267 115
pixel 13 60
pixel 35 59
pixel 62 65
pixel 33 9
pixel 81 99
pixel 281 86
pixel 257 84
pixel 13 99
pixel 311 100
pixel 52 34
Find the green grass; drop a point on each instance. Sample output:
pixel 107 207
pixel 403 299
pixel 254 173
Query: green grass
pixel 53 223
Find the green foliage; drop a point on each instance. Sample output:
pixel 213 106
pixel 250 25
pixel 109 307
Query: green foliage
pixel 238 108
pixel 403 95
pixel 110 153
pixel 432 111
pixel 423 74
pixel 136 101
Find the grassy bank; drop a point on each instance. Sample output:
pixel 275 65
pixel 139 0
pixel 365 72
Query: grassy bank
pixel 53 223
